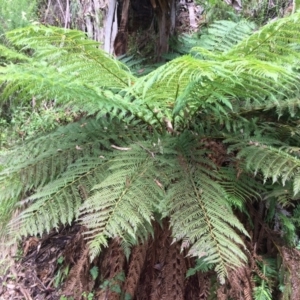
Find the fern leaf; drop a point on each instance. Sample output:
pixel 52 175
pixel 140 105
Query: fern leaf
pixel 124 201
pixel 59 170
pixel 223 35
pixel 273 163
pixel 274 42
pixel 200 214
pixel 70 51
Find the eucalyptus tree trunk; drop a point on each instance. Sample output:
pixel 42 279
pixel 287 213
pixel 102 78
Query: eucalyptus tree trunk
pixel 98 18
pixel 121 40
pixel 166 15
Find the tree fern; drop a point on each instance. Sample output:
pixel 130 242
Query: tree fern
pixel 146 148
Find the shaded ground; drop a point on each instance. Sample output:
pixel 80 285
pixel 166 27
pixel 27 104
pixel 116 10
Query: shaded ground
pixel 57 266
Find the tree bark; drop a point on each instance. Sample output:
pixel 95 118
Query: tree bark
pixel 98 18
pixel 165 11
pixel 121 41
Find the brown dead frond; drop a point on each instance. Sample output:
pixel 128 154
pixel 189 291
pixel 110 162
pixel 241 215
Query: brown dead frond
pixel 79 279
pixel 240 283
pixel 111 267
pixel 218 152
pixel 136 265
pixel 175 270
pixel 162 242
pixel 291 261
pixel 222 293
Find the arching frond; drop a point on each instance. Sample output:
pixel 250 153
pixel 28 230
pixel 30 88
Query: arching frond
pixel 200 215
pixel 123 203
pixel 66 66
pixel 240 76
pixel 72 53
pixel 8 55
pixel 273 163
pixel 274 42
pixel 59 170
pixel 222 35
pixel 58 202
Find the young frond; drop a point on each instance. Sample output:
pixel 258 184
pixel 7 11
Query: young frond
pixel 123 203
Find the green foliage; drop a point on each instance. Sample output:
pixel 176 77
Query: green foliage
pixel 199 213
pixel 201 266
pixel 262 12
pixel 16 13
pixel 263 290
pixel 114 283
pixel 23 122
pixel 94 271
pixel 188 141
pixel 52 70
pixel 217 10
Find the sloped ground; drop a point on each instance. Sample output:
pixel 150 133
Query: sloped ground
pixel 37 274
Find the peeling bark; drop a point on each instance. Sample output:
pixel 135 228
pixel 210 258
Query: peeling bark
pixel 98 18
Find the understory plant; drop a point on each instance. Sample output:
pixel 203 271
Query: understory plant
pixel 200 143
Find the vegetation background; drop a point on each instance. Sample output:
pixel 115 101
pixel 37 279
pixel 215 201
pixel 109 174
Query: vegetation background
pixel 149 149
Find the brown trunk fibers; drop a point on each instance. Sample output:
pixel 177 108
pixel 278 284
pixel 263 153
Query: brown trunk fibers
pixel 155 270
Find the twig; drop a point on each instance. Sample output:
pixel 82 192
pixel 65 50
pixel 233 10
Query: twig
pixel 120 148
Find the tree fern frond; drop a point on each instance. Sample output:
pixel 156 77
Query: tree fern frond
pixel 58 202
pixel 197 84
pixel 8 55
pixel 70 51
pixel 223 80
pixel 50 83
pixel 67 67
pixel 200 214
pixel 56 169
pixel 240 187
pixel 45 158
pixel 222 35
pixel 124 201
pixel 273 42
pixel 273 163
